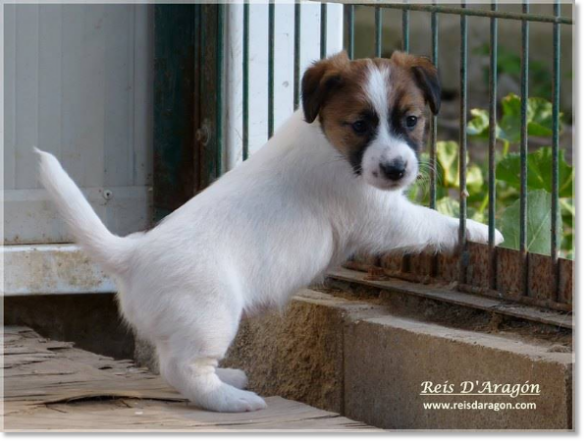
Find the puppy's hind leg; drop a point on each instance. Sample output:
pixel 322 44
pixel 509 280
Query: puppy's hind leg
pixel 234 377
pixel 188 361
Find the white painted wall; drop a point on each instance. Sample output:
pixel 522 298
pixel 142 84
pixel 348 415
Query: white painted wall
pixel 258 62
pixel 78 83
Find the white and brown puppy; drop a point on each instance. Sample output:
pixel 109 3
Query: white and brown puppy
pixel 329 183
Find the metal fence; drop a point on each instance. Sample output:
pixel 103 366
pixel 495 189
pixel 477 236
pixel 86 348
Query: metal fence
pixel 492 288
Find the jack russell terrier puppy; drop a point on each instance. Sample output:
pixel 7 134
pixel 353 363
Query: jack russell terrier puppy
pixel 328 184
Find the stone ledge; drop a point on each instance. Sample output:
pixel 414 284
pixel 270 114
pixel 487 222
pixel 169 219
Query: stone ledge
pixel 392 356
pixel 355 358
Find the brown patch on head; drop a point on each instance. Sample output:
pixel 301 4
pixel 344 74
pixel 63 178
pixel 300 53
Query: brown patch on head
pixel 335 90
pixel 425 74
pixel 320 81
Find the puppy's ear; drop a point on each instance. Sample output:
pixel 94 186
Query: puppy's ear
pixel 426 75
pixel 319 81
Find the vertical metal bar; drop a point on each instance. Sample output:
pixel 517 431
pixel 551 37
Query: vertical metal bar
pixel 406 263
pixel 378 33
pixel 405 29
pixel 220 94
pixel 351 19
pixel 492 147
pixel 271 117
pixel 434 261
pixel 323 31
pixel 555 146
pixel 463 140
pixel 523 147
pixel 245 77
pixel 433 124
pixel 297 55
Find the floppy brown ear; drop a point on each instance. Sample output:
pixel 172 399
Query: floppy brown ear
pixel 319 81
pixel 426 75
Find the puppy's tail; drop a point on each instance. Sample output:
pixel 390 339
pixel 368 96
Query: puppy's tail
pixel 106 248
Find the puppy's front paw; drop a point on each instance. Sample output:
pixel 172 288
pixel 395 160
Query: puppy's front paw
pixel 478 233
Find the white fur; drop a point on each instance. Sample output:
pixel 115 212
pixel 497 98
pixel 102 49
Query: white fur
pixel 385 148
pixel 263 231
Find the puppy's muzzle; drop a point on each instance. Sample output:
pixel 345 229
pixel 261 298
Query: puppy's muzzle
pixel 394 170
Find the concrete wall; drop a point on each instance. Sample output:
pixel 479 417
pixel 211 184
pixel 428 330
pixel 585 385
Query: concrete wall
pixel 364 360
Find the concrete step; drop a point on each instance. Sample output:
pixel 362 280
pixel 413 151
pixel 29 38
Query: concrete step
pixel 370 359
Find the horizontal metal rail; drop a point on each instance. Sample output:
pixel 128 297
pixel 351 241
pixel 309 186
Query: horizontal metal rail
pixel 459 11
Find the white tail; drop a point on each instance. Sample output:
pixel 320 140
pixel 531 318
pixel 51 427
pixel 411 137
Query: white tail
pixel 106 248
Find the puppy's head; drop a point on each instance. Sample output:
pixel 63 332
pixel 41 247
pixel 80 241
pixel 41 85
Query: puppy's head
pixel 373 112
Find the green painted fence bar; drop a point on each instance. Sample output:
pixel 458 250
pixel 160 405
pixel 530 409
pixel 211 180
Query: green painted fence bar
pixel 219 82
pixel 406 264
pixel 245 77
pixel 463 140
pixel 271 117
pixel 493 75
pixel 433 124
pixel 323 30
pixel 297 56
pixel 351 18
pixel 555 146
pixel 524 145
pixel 405 20
pixel 378 31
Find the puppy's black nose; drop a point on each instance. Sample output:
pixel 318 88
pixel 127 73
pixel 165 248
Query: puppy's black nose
pixel 394 170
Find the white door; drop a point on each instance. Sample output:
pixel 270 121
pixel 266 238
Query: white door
pixel 78 83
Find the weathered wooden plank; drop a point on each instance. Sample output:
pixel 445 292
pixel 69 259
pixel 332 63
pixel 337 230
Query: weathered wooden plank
pixel 145 415
pixel 51 385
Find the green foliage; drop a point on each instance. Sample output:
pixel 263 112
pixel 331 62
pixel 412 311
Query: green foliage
pixel 539 171
pixel 539 178
pixel 538 223
pixel 508 129
pixel 509 63
pixel 448 160
pixel 448 206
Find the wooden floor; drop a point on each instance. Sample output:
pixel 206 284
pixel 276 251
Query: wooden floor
pixel 52 386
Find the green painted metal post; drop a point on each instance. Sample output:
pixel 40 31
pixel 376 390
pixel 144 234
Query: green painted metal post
pixel 220 91
pixel 323 31
pixel 492 148
pixel 555 144
pixel 175 158
pixel 210 104
pixel 523 148
pixel 351 18
pixel 378 31
pixel 245 79
pixel 297 56
pixel 271 116
pixel 433 124
pixel 405 20
pixel 463 142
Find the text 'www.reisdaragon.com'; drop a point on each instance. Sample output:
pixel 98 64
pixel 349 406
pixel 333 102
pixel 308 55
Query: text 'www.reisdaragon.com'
pixel 478 405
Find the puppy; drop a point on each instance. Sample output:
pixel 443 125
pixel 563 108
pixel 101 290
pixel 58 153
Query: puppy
pixel 328 184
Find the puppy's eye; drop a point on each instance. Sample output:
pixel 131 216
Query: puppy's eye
pixel 411 121
pixel 360 126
